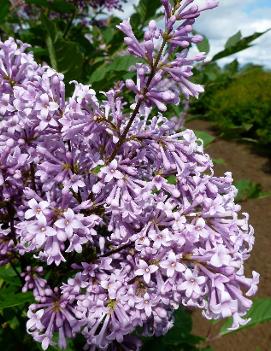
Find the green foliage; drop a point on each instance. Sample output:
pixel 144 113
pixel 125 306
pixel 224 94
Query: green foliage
pixel 244 106
pixel 204 45
pixel 13 338
pixel 9 298
pixel 69 59
pixel 172 179
pixel 4 9
pixel 232 41
pixel 117 67
pixel 218 161
pixel 143 14
pixel 63 44
pixel 259 313
pixel 236 44
pixel 60 6
pixel 145 11
pixel 179 338
pixel 238 101
pixel 10 290
pixel 248 190
pixel 12 310
pixel 65 55
pixel 205 137
pixel 8 275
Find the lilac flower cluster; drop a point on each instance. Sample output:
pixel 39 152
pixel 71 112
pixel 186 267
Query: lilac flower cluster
pixel 123 210
pixel 108 4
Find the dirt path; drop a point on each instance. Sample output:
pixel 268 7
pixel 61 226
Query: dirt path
pixel 244 164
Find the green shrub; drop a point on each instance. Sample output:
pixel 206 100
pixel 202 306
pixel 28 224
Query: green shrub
pixel 242 106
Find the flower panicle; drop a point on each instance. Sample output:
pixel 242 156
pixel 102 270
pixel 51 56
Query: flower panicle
pixel 129 238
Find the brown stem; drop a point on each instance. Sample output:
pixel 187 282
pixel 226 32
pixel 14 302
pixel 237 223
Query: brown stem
pixel 17 272
pixel 118 249
pixel 135 112
pixel 69 24
pixel 32 173
pixel 11 214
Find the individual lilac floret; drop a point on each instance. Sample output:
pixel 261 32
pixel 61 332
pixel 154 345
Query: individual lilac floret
pixel 172 264
pixel 53 314
pixel 192 284
pixel 34 282
pixel 145 270
pixel 37 210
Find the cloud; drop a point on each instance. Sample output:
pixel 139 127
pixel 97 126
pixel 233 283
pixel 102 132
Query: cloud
pixel 249 16
pixel 219 24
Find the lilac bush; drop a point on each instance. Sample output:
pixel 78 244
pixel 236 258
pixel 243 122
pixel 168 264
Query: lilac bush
pixel 117 218
pixel 96 4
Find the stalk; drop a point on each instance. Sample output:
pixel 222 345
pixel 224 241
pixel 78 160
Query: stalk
pixel 139 103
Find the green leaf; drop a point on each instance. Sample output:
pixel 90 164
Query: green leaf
pixel 218 161
pixel 212 72
pixel 8 275
pixel 232 68
pixel 135 21
pixel 119 64
pixel 39 52
pixel 179 338
pixel 143 13
pixel 8 298
pixel 122 63
pixel 51 36
pixel 146 11
pixel 260 312
pixel 108 34
pixel 97 169
pixel 42 3
pixel 69 58
pixel 66 56
pixel 98 74
pixel 233 40
pixel 204 46
pixel 182 328
pixel 247 190
pixel 4 9
pixel 241 45
pixel 205 137
pixel 51 51
pixel 61 6
pixel 172 179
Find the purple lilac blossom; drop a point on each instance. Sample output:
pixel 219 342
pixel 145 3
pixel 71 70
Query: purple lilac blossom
pixel 108 4
pixel 26 10
pixel 6 246
pixel 99 4
pixel 87 192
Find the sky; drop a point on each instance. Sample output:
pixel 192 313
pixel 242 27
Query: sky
pixel 219 24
